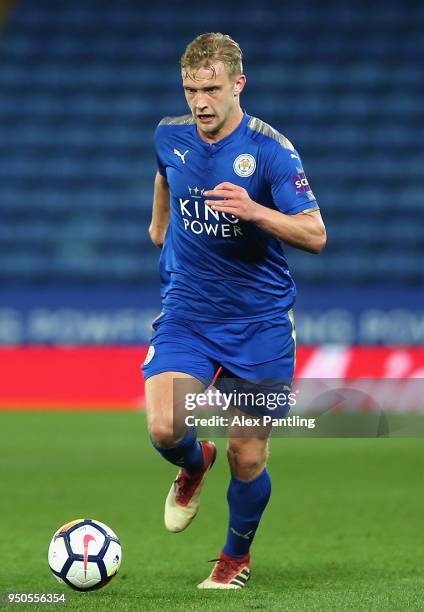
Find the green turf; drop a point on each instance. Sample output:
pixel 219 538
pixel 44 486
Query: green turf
pixel 343 530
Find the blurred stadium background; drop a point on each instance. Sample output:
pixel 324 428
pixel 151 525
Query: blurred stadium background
pixel 83 85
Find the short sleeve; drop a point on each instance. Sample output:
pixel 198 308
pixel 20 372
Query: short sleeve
pixel 289 186
pixel 158 146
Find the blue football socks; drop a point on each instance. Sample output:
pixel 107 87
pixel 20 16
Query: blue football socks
pixel 247 502
pixel 187 453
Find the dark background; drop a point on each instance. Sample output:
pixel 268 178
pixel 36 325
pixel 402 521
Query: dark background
pixel 82 87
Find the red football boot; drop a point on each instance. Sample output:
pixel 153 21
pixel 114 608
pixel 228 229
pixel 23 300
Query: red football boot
pixel 182 503
pixel 228 573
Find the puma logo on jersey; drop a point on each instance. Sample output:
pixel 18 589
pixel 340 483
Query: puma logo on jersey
pixel 181 155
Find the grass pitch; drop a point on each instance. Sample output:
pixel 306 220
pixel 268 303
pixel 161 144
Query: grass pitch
pixel 343 529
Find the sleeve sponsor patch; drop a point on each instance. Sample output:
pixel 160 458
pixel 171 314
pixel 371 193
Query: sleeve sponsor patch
pixel 300 183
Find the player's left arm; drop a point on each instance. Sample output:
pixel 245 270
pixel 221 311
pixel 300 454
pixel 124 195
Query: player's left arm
pixel 304 230
pixel 160 211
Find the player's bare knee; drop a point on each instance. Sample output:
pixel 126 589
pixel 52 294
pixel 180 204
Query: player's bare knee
pixel 163 434
pixel 246 461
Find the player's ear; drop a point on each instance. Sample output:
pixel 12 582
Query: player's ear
pixel 239 84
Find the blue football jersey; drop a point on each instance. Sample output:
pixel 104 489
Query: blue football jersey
pixel 165 262
pixel 217 266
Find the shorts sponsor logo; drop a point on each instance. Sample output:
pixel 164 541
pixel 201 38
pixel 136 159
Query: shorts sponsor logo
pixel 150 355
pixel 244 165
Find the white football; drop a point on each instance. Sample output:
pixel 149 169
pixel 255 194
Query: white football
pixel 85 554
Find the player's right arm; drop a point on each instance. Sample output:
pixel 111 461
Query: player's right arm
pixel 160 211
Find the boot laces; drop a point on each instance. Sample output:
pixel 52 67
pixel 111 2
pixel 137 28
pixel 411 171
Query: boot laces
pixel 225 568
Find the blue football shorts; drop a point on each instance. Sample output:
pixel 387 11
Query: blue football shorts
pixel 255 357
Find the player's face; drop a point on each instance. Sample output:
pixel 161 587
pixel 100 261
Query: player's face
pixel 213 98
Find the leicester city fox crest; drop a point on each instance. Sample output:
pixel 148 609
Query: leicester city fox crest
pixel 244 165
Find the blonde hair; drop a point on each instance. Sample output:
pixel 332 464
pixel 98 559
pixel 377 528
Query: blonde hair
pixel 209 48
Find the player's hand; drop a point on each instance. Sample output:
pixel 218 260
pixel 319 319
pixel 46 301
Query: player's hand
pixel 232 199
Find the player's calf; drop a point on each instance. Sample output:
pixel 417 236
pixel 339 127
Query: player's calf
pixel 168 432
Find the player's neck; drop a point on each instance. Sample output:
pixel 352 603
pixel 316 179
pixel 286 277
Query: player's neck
pixel 230 125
